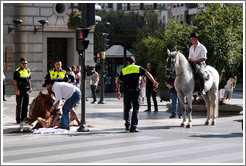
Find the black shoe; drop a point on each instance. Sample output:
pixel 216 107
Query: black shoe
pixel 93 102
pixel 4 100
pixel 134 130
pixel 127 128
pixel 180 117
pixel 156 111
pixel 18 121
pixel 172 116
pixel 147 111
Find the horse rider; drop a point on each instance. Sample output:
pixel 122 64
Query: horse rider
pixel 57 74
pixel 131 88
pixel 22 84
pixel 198 55
pixel 63 90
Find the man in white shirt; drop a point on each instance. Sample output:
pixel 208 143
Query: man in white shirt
pixel 198 55
pixel 68 92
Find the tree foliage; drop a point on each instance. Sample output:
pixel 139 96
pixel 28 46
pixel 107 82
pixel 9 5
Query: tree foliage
pixel 220 29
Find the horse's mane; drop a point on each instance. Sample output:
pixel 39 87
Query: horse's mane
pixel 183 62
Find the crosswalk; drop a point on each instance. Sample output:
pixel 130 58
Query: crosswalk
pixel 120 147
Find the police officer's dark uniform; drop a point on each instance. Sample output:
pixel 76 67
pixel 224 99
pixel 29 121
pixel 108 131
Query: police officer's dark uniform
pixel 22 77
pixel 131 88
pixel 60 76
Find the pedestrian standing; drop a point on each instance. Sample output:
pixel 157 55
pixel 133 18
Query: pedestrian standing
pixel 78 76
pixel 170 84
pixel 22 84
pixel 4 83
pixel 69 92
pixel 94 79
pixel 143 88
pixel 228 89
pixel 131 89
pixel 150 90
pixel 71 78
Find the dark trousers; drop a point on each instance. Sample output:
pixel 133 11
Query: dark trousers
pixel 3 91
pixel 93 91
pixel 131 99
pixel 22 102
pixel 150 91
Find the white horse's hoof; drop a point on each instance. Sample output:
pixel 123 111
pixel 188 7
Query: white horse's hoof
pixel 182 125
pixel 206 123
pixel 213 123
pixel 188 126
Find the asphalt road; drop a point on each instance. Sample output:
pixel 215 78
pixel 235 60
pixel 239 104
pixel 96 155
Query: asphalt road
pixel 160 141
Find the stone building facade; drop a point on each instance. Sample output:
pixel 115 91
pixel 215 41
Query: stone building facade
pixel 43 46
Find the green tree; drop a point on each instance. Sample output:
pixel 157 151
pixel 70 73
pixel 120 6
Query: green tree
pixel 174 36
pixel 220 28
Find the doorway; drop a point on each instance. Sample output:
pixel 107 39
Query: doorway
pixel 56 50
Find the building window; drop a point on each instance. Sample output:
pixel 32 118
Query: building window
pixel 177 5
pixel 110 5
pixel 60 9
pixel 141 6
pixel 128 6
pixel 182 4
pixel 155 5
pixel 174 6
pixel 119 6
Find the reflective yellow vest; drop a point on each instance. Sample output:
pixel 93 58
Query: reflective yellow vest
pixel 131 69
pixel 24 73
pixel 54 75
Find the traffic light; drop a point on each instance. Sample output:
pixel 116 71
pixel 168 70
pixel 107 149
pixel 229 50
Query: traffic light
pixel 97 57
pixel 81 35
pixel 89 16
pixel 105 40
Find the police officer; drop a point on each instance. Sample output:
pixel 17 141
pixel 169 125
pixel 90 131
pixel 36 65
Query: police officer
pixel 22 84
pixel 57 74
pixel 130 79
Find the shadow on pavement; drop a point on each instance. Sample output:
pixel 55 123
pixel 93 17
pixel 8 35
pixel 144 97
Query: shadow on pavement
pixel 231 135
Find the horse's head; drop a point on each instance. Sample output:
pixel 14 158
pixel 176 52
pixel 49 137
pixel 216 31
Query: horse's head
pixel 46 100
pixel 40 104
pixel 171 63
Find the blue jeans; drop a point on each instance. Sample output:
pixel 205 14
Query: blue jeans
pixel 174 98
pixel 66 109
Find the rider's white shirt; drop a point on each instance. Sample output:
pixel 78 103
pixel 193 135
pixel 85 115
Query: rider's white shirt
pixel 200 52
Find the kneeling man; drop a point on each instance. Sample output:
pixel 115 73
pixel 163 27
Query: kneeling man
pixel 70 93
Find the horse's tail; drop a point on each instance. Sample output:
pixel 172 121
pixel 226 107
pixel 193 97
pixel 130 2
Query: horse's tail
pixel 217 104
pixel 211 101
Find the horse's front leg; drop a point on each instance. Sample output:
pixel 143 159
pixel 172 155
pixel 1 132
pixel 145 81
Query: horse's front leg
pixel 182 100
pixel 189 108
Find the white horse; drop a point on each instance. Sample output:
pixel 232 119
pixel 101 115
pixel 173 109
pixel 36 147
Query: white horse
pixel 185 84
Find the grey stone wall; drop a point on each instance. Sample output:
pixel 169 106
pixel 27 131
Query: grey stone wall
pixel 33 46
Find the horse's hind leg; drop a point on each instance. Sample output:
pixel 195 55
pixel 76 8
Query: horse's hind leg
pixel 206 98
pixel 213 101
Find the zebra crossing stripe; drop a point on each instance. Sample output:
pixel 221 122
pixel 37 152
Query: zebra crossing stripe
pixel 43 157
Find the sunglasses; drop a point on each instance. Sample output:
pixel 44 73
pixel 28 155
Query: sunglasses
pixel 23 63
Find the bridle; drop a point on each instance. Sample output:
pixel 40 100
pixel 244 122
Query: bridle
pixel 170 71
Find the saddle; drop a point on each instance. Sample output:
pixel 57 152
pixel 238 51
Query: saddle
pixel 198 86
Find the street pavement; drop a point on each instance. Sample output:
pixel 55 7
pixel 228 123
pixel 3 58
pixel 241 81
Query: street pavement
pixel 160 141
